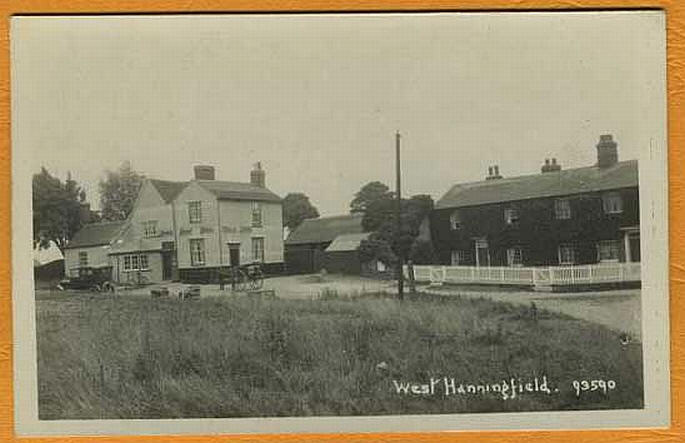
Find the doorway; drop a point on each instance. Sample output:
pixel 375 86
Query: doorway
pixel 482 253
pixel 168 260
pixel 234 254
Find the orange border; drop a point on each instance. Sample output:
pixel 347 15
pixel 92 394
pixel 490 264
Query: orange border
pixel 676 123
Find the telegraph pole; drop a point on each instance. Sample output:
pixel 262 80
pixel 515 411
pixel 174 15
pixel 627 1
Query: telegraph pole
pixel 398 219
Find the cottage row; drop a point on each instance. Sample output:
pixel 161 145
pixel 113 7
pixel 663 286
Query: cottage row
pixel 189 230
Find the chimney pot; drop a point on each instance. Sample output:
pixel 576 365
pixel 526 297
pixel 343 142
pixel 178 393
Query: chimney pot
pixel 258 175
pixel 607 151
pixel 204 172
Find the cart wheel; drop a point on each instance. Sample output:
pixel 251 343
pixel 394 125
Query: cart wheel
pixel 96 288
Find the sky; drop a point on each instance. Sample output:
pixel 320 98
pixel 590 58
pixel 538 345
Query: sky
pixel 318 98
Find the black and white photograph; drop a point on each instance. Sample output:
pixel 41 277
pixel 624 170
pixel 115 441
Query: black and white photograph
pixel 339 222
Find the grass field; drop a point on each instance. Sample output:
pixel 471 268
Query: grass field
pixel 236 356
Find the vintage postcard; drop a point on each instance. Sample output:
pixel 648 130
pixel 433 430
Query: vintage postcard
pixel 264 223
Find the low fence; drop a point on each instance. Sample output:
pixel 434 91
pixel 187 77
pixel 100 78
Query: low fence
pixel 529 276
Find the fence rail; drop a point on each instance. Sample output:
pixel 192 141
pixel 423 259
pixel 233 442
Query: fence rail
pixel 529 276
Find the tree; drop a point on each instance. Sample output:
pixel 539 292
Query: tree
pixel 56 209
pixel 367 195
pixel 296 209
pixel 379 212
pixel 118 192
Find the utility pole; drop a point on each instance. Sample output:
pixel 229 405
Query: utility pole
pixel 398 220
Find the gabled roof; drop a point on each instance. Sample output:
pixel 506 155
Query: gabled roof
pixel 95 234
pixel 325 229
pixel 238 191
pixel 549 184
pixel 347 242
pixel 168 189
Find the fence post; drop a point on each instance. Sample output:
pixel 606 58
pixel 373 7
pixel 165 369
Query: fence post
pixel 551 275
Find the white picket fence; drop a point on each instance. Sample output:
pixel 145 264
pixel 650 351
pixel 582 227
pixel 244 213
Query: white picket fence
pixel 529 276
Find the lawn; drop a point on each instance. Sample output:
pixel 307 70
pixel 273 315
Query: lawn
pixel 238 356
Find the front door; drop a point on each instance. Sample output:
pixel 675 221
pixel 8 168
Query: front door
pixel 634 242
pixel 234 254
pixel 168 258
pixel 482 253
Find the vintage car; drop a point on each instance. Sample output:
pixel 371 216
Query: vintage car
pixel 94 279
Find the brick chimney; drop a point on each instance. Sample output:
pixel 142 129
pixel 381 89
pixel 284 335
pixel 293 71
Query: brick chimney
pixel 493 173
pixel 550 166
pixel 607 151
pixel 258 175
pixel 204 172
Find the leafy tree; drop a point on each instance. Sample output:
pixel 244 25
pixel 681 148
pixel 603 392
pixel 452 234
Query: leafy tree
pixel 296 209
pixel 368 194
pixel 118 192
pixel 379 212
pixel 56 208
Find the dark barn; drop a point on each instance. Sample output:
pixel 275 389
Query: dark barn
pixel 305 247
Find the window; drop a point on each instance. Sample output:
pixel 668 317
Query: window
pixel 256 214
pixel 197 252
pixel 258 249
pixel 460 258
pixel 455 221
pixel 608 251
pixel 150 228
pixel 612 203
pixel 514 257
pixel 567 254
pixel 135 262
pixel 562 209
pixel 511 216
pixel 83 259
pixel 195 212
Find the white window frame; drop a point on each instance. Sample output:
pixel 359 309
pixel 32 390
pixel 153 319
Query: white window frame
pixel 195 211
pixel 512 255
pixel 257 220
pixel 562 209
pixel 135 262
pixel 150 228
pixel 612 203
pixel 610 244
pixel 198 256
pixel 459 257
pixel 258 256
pixel 83 259
pixel 511 216
pixel 455 221
pixel 564 258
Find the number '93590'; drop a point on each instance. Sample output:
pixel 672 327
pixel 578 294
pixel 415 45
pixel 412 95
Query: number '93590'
pixel 604 386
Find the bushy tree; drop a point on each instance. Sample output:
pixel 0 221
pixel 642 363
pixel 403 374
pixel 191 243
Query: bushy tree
pixel 378 206
pixel 118 192
pixel 296 209
pixel 56 208
pixel 370 193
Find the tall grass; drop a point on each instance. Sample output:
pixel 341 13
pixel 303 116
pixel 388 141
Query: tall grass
pixel 132 357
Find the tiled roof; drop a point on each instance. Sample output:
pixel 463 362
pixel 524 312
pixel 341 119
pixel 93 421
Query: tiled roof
pixel 238 191
pixel 347 242
pixel 168 189
pixel 549 184
pixel 95 234
pixel 325 229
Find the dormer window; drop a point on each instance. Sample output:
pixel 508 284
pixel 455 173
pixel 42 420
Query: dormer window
pixel 455 221
pixel 612 203
pixel 256 215
pixel 511 217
